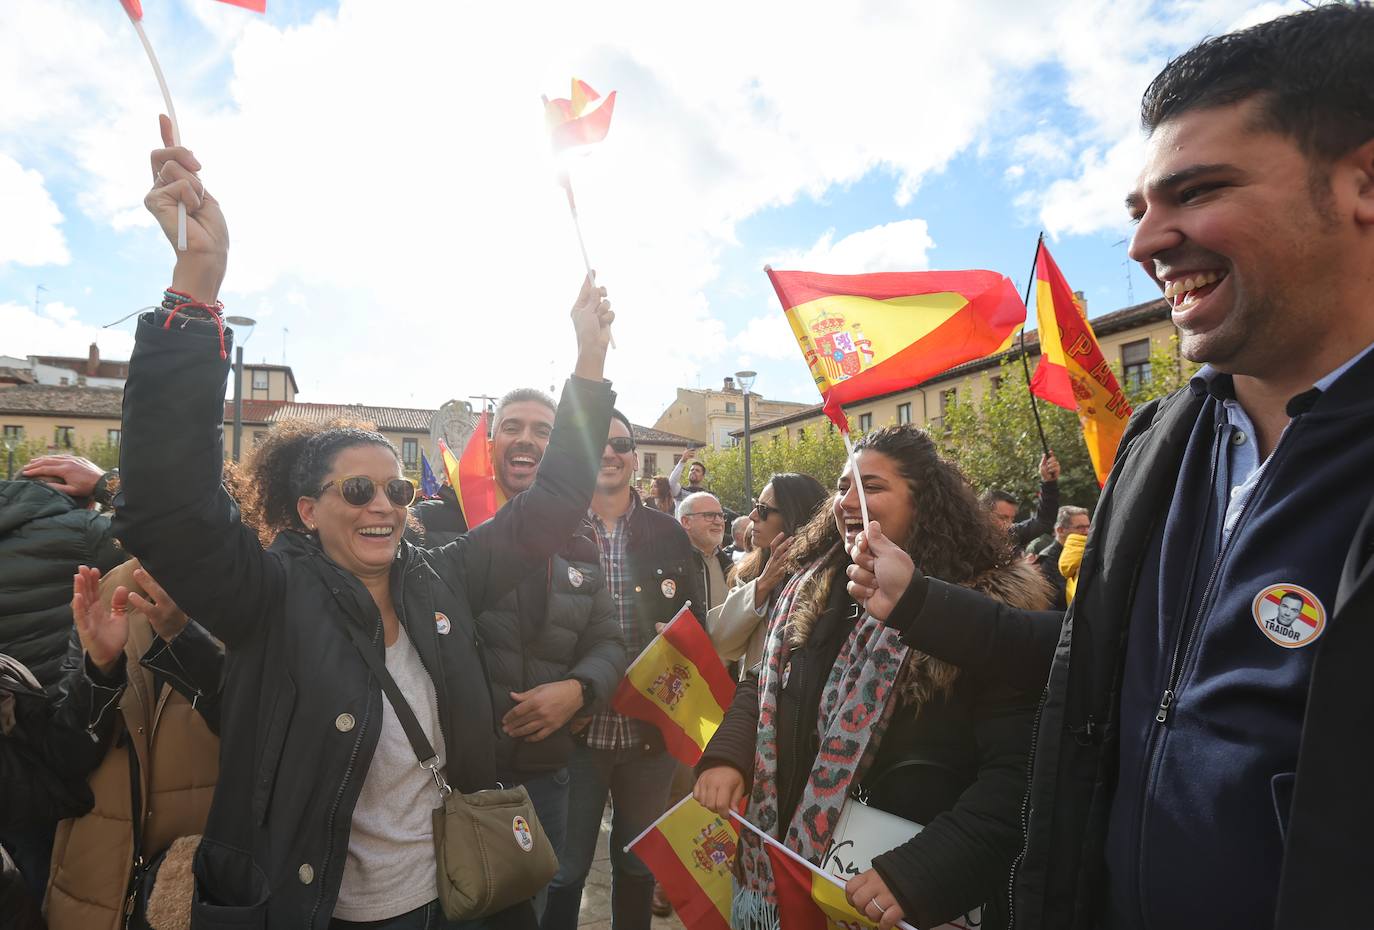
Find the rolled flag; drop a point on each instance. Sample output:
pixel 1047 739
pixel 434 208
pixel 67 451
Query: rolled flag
pixel 1072 371
pixel 473 477
pixel 869 334
pixel 678 684
pixel 691 852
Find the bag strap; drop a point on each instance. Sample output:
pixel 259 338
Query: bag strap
pixel 419 743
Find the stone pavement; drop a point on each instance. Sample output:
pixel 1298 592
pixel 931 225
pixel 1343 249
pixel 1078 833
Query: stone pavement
pixel 596 896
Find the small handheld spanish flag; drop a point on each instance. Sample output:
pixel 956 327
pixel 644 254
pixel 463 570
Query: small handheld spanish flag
pixel 473 477
pixel 678 684
pixel 691 852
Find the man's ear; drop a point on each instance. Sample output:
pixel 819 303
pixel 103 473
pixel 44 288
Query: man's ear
pixel 1362 161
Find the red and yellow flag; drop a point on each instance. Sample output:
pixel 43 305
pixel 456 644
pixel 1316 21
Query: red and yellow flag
pixel 473 477
pixel 678 684
pixel 691 852
pixel 1072 372
pixel 571 123
pixel 869 334
pixel 135 7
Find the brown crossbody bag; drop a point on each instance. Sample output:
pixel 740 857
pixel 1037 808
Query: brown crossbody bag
pixel 490 851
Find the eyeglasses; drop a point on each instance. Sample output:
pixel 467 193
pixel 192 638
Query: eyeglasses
pixel 621 444
pixel 765 510
pixel 712 515
pixel 359 490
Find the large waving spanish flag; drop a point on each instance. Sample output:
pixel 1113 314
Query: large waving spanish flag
pixel 473 476
pixel 691 852
pixel 1072 372
pixel 869 334
pixel 678 684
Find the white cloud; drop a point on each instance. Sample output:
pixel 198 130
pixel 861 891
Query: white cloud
pixel 31 233
pixel 1094 199
pixel 56 331
pixel 898 246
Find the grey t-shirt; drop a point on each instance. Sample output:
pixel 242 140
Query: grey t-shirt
pixel 390 865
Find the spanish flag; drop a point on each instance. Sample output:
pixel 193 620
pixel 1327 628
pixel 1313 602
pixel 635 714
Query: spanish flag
pixel 691 852
pixel 678 684
pixel 869 334
pixel 1072 372
pixel 473 477
pixel 569 121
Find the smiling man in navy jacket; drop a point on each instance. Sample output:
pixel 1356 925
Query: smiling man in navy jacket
pixel 1205 742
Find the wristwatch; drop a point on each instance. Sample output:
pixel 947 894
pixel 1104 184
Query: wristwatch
pixel 102 493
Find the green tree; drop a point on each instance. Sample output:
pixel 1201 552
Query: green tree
pixel 102 453
pixel 820 453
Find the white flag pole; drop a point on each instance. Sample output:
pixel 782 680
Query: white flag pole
pixel 171 115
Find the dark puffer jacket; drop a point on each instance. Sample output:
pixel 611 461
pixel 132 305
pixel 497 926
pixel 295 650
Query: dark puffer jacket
pixel 301 711
pixel 558 624
pixel 44 536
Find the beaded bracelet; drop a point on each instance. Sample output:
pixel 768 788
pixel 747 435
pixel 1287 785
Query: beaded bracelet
pixel 175 302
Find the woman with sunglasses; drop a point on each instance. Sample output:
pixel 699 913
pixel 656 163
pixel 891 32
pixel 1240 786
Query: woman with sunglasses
pixel 737 626
pixel 323 815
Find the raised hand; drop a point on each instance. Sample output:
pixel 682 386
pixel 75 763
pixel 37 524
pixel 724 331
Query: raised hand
pixel 103 630
pixel 200 269
pixel 167 618
pixel 592 318
pixel 774 570
pixel 880 573
pixel 74 475
pixel 1049 467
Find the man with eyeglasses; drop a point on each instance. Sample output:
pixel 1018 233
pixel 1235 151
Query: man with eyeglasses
pixel 647 560
pixel 702 517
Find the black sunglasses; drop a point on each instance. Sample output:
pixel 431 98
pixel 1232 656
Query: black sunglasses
pixel 359 490
pixel 621 444
pixel 765 510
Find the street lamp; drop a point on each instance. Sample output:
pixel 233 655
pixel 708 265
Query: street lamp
pixel 746 383
pixel 249 322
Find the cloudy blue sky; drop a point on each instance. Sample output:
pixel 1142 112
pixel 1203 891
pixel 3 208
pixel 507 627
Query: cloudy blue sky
pixel 396 231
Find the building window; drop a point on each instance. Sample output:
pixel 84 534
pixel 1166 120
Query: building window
pixel 865 422
pixel 650 463
pixel 258 436
pixel 947 399
pixel 112 437
pixel 410 453
pixel 730 407
pixel 777 437
pixel 801 433
pixel 1135 364
pixel 995 383
pixel 259 380
pixel 64 382
pixel 903 414
pixel 676 459
pixel 14 433
pixel 64 436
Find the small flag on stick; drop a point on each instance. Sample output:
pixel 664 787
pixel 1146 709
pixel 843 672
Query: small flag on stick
pixel 429 484
pixel 691 852
pixel 678 684
pixel 473 477
pixel 1072 371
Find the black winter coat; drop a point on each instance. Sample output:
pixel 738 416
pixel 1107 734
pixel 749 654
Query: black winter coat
pixel 441 518
pixel 44 536
pixel 301 711
pixel 558 624
pixel 955 763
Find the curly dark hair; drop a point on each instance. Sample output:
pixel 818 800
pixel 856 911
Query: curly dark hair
pixel 292 461
pixel 952 537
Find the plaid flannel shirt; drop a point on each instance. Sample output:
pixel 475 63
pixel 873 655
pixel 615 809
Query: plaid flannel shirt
pixel 609 730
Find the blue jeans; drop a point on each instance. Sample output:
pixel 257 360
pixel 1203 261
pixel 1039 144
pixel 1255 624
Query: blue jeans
pixel 549 795
pixel 637 783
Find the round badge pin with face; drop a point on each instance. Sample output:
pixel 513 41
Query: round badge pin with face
pixel 524 836
pixel 669 588
pixel 441 623
pixel 575 577
pixel 1289 615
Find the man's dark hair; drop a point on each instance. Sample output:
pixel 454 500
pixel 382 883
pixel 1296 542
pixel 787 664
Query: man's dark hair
pixel 1315 70
pixel 992 496
pixel 1290 594
pixel 698 464
pixel 520 396
pixel 617 415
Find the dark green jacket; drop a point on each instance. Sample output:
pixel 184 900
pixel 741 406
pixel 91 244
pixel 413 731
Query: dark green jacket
pixel 44 536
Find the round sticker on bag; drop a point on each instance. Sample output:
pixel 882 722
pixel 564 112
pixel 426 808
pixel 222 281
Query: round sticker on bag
pixel 1289 615
pixel 669 587
pixel 441 623
pixel 523 835
pixel 574 577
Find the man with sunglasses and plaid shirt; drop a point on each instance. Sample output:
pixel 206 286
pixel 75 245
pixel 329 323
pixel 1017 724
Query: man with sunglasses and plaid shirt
pixel 647 558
